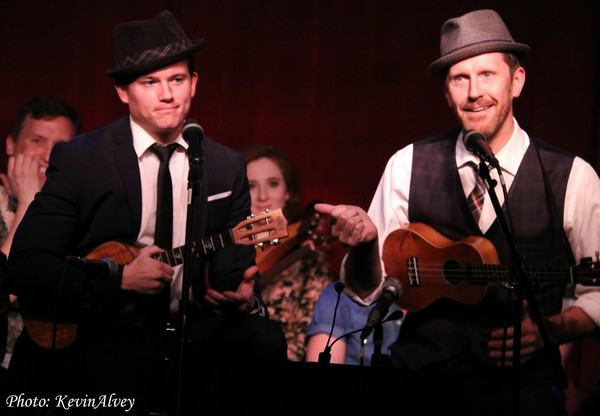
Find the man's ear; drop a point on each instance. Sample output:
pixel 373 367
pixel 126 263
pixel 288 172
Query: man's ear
pixel 122 92
pixel 518 81
pixel 194 81
pixel 10 145
pixel 447 97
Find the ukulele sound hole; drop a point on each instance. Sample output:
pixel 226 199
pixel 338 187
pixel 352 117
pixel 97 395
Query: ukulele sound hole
pixel 453 272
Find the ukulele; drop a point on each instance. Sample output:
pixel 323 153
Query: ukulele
pixel 431 266
pixel 267 227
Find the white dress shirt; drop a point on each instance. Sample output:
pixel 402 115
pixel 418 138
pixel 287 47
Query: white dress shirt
pixel 179 168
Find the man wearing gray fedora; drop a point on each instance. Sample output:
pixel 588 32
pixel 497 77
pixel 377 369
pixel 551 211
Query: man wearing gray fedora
pixel 426 200
pixel 102 187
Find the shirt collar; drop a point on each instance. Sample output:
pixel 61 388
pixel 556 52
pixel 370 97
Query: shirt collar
pixel 509 156
pixel 142 140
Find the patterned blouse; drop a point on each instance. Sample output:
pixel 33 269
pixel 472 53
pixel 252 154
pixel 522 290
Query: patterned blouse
pixel 291 296
pixel 8 206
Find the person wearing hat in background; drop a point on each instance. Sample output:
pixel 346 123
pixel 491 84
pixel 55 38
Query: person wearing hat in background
pixel 102 187
pixel 554 200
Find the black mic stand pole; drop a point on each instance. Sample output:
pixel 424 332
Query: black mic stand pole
pixel 517 283
pixel 521 283
pixel 377 340
pixel 194 209
pixel 325 355
pixel 377 358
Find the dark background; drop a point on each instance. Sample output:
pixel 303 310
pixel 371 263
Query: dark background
pixel 338 85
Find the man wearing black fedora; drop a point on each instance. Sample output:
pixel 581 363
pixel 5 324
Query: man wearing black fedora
pixel 102 187
pixel 553 209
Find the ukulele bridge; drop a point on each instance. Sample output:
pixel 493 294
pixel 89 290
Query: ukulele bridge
pixel 413 271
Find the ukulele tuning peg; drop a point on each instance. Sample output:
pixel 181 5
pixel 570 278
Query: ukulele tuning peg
pixel 260 245
pixel 275 241
pixel 266 211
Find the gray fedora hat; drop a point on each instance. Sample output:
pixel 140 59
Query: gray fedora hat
pixel 145 45
pixel 472 34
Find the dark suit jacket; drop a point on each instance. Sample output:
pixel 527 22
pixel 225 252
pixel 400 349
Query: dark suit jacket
pixel 92 195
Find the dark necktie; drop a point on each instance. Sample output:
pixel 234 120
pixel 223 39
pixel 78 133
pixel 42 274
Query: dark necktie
pixel 163 232
pixel 476 197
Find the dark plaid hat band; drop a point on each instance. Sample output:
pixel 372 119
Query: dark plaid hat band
pixel 155 54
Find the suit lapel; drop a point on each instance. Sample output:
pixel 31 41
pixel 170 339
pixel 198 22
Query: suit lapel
pixel 127 166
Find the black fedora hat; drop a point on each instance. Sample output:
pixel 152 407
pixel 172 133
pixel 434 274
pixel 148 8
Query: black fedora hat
pixel 145 45
pixel 472 34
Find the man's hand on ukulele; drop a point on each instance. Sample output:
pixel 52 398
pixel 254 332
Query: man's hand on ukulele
pixel 146 275
pixel 351 224
pixel 243 297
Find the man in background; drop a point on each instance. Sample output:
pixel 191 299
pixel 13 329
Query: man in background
pixel 40 123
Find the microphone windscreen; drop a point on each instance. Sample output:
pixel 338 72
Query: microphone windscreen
pixel 339 287
pixel 393 285
pixel 471 137
pixel 192 130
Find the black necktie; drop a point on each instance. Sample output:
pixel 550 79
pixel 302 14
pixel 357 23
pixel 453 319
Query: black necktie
pixel 163 232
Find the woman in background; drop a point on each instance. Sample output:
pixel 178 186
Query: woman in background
pixel 291 294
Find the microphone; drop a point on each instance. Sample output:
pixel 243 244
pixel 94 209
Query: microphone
pixel 391 290
pixel 325 356
pixel 475 143
pixel 193 134
pixel 106 265
pixel 192 131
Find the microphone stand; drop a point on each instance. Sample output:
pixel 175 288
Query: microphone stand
pixel 325 355
pixel 391 317
pixel 522 284
pixel 377 358
pixel 190 255
pixel 377 340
